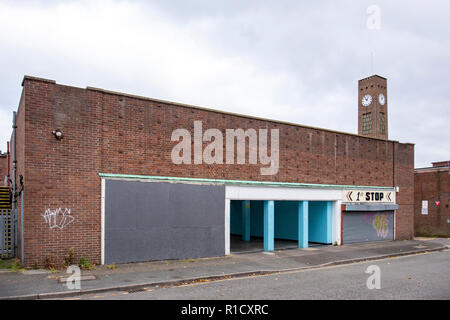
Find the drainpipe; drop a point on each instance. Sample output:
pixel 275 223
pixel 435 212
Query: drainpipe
pixel 22 256
pixel 14 174
pixel 395 189
pixel 7 161
pixel 14 162
pixel 393 164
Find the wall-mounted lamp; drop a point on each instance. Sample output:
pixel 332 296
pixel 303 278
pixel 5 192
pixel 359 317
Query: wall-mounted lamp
pixel 58 134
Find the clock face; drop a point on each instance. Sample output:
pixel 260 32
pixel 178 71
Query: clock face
pixel 381 99
pixel 366 100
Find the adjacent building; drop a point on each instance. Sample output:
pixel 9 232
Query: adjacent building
pixel 431 200
pixel 4 170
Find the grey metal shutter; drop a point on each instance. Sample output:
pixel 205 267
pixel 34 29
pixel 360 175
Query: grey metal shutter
pixel 368 226
pixel 147 221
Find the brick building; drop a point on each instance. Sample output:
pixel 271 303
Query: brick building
pixel 432 199
pixel 99 177
pixel 3 168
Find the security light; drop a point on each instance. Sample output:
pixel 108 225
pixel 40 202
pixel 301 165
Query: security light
pixel 58 134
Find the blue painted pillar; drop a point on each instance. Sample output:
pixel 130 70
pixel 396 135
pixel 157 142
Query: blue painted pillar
pixel 269 209
pixel 246 220
pixel 303 224
pixel 329 221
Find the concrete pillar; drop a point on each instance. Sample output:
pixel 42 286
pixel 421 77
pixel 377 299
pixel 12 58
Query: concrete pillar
pixel 269 222
pixel 246 220
pixel 303 224
pixel 227 226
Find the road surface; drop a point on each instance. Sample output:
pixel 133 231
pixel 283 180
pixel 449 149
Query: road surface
pixel 423 276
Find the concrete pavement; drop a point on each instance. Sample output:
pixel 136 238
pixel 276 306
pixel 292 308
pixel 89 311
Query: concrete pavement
pixel 136 276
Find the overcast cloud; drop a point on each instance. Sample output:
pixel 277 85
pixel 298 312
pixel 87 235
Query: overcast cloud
pixel 297 61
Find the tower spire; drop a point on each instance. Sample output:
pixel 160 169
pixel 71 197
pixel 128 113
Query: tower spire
pixel 372 63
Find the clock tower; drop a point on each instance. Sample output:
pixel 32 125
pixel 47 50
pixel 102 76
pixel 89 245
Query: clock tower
pixel 372 107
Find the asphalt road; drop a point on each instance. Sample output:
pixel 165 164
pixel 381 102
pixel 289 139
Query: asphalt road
pixel 424 276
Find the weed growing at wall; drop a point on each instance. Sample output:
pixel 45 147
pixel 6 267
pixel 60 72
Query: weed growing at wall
pixel 69 258
pixel 85 263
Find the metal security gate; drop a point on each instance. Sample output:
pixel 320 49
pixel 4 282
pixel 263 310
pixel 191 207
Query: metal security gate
pixel 8 229
pixel 368 226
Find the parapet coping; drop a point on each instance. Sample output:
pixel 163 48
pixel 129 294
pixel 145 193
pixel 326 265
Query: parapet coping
pixel 37 79
pixel 432 169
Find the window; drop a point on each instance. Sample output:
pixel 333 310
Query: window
pixel 382 123
pixel 367 123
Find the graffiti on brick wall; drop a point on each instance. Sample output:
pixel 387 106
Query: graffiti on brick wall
pixel 58 218
pixel 380 223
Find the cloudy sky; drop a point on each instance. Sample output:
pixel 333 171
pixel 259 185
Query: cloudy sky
pixel 297 61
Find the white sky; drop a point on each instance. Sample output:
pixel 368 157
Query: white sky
pixel 284 60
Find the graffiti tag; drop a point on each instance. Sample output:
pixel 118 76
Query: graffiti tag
pixel 58 218
pixel 381 223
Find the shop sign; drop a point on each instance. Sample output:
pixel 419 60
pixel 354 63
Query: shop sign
pixel 368 196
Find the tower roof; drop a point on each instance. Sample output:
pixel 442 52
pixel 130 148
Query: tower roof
pixel 373 76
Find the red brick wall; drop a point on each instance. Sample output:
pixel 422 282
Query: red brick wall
pixel 62 174
pixel 432 185
pixel 404 179
pixel 112 133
